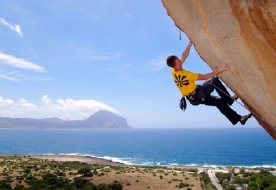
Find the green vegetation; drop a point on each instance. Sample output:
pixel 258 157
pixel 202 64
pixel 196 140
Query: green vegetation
pixel 254 180
pixel 263 180
pixel 182 185
pixel 51 182
pixel 26 173
pixel 223 178
pixel 195 170
pixel 207 182
pixel 85 171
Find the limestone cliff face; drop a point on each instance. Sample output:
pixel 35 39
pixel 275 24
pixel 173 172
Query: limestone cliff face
pixel 243 34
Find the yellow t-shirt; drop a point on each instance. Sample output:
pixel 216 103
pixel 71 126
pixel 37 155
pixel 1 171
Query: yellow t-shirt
pixel 185 81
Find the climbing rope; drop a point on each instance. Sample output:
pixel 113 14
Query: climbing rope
pixel 256 115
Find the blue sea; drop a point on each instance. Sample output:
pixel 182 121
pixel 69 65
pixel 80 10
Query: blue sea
pixel 247 147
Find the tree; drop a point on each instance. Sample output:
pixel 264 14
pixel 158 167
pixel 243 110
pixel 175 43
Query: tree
pixel 230 187
pixel 242 170
pixel 4 185
pixel 103 186
pixel 238 180
pixel 85 171
pixel 223 177
pixel 19 187
pixel 50 179
pixel 80 182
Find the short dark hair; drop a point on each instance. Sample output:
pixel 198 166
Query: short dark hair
pixel 171 60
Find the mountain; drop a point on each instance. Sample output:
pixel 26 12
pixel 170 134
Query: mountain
pixel 99 120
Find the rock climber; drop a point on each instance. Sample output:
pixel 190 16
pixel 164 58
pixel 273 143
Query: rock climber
pixel 201 94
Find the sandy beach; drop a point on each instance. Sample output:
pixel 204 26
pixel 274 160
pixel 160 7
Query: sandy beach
pixel 85 159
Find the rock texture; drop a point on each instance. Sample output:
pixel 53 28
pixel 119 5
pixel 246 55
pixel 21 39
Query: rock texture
pixel 243 34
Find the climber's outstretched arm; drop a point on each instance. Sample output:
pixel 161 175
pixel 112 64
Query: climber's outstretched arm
pixel 186 52
pixel 214 73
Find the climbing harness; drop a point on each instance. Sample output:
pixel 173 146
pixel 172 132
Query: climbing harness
pixel 240 104
pixel 183 104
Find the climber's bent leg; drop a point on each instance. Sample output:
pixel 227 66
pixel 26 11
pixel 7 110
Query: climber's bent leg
pixel 233 117
pixel 209 86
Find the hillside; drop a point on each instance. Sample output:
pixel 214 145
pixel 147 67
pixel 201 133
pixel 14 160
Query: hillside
pixel 99 120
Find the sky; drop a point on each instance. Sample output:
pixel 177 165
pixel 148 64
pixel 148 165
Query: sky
pixel 70 59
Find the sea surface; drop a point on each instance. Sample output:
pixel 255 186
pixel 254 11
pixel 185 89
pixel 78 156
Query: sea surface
pixel 247 147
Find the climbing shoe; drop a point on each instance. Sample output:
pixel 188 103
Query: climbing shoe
pixel 232 100
pixel 234 97
pixel 245 118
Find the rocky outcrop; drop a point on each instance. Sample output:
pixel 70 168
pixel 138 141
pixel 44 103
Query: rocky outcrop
pixel 243 34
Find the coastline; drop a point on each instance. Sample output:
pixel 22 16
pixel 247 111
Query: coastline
pixel 93 160
pixel 104 161
pixel 70 158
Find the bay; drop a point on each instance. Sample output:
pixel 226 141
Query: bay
pixel 248 147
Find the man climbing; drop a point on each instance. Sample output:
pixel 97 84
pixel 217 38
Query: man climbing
pixel 201 94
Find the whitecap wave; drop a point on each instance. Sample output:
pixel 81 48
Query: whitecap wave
pixel 125 161
pixel 136 161
pixel 235 166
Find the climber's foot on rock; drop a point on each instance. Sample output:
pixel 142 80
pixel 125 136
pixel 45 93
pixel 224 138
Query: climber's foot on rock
pixel 232 100
pixel 245 118
pixel 234 97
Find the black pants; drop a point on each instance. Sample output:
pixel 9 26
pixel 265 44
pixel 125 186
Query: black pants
pixel 220 102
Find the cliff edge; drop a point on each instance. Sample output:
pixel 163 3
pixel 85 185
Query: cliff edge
pixel 243 34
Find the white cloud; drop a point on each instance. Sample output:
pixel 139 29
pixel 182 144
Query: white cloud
pixel 87 53
pixel 24 104
pixel 73 109
pixel 157 64
pixel 15 27
pixel 6 103
pixel 68 109
pixel 128 15
pixel 4 76
pixel 46 100
pixel 17 76
pixel 10 108
pixel 19 63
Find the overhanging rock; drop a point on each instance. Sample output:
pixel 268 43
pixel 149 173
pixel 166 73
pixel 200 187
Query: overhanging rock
pixel 243 34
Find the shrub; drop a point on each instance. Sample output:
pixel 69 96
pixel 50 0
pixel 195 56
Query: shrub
pixel 85 171
pixel 182 185
pixel 115 186
pixel 4 185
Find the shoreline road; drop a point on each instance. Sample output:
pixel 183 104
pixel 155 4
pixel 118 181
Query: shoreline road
pixel 214 179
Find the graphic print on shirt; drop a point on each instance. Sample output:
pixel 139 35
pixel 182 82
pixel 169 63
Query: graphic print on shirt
pixel 180 80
